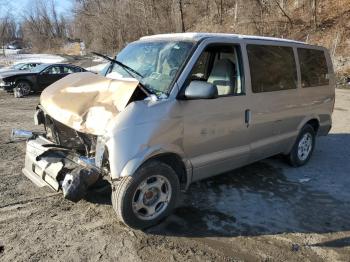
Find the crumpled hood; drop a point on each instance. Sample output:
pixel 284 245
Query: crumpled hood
pixel 86 102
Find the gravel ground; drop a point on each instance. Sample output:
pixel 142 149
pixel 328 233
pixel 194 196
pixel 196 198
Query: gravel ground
pixel 266 211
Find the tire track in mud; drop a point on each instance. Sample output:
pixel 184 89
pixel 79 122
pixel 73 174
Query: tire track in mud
pixel 26 201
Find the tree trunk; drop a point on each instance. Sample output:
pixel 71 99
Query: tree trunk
pixel 284 13
pixel 182 16
pixel 236 11
pixel 315 12
pixel 221 12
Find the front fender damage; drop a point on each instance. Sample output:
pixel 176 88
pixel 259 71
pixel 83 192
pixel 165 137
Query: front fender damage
pixel 76 112
pixel 87 102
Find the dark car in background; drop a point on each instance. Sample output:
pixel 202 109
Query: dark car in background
pixel 37 79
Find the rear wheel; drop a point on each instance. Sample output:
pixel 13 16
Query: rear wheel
pixel 22 89
pixel 303 147
pixel 147 197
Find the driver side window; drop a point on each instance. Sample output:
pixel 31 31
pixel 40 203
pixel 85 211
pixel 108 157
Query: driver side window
pixel 220 65
pixel 200 70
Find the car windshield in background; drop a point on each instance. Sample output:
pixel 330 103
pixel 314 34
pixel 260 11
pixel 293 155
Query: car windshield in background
pixel 38 68
pixel 158 63
pixel 18 66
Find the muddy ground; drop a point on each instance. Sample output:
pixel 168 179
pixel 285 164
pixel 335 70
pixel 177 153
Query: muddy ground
pixel 267 211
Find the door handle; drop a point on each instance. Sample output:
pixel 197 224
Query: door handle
pixel 247 117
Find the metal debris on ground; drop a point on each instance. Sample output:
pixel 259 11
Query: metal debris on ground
pixel 295 247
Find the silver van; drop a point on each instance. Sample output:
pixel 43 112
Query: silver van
pixel 176 108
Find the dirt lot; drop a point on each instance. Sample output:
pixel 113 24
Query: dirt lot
pixel 267 211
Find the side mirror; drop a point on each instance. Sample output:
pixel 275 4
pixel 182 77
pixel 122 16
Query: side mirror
pixel 201 90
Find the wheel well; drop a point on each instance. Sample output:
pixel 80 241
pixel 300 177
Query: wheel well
pixel 175 162
pixel 24 80
pixel 315 124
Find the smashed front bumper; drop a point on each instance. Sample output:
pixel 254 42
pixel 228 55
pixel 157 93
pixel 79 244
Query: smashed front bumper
pixel 47 164
pixel 41 172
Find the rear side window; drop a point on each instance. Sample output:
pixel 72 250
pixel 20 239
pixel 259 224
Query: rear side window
pixel 69 70
pixel 272 68
pixel 53 70
pixel 77 69
pixel 313 67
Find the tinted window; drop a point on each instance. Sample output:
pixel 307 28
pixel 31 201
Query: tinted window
pixel 69 70
pixel 313 67
pixel 78 69
pixel 272 68
pixel 53 70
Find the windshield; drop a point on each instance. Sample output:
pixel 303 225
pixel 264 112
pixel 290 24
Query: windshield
pixel 158 63
pixel 17 66
pixel 38 68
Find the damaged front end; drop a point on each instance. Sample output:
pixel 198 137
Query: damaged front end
pixel 71 154
pixel 62 158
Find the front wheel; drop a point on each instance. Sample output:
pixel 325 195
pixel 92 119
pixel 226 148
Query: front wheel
pixel 147 197
pixel 303 147
pixel 22 89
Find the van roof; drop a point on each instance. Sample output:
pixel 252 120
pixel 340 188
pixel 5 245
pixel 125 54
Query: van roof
pixel 200 36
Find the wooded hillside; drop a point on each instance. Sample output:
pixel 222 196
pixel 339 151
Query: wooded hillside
pixel 107 25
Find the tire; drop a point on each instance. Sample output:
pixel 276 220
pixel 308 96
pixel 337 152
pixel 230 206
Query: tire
pixel 303 147
pixel 22 89
pixel 152 182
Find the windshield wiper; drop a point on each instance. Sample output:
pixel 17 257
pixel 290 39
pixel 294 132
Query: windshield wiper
pixel 126 68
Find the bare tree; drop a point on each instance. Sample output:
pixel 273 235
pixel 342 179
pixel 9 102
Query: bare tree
pixel 220 10
pixel 105 28
pixel 43 27
pixel 314 9
pixel 8 29
pixel 281 7
pixel 182 15
pixel 7 24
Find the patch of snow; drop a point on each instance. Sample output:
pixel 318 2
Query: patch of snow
pixel 114 75
pixel 98 59
pixel 28 58
pixel 97 68
pixel 11 51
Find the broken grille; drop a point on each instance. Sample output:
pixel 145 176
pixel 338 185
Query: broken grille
pixel 65 136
